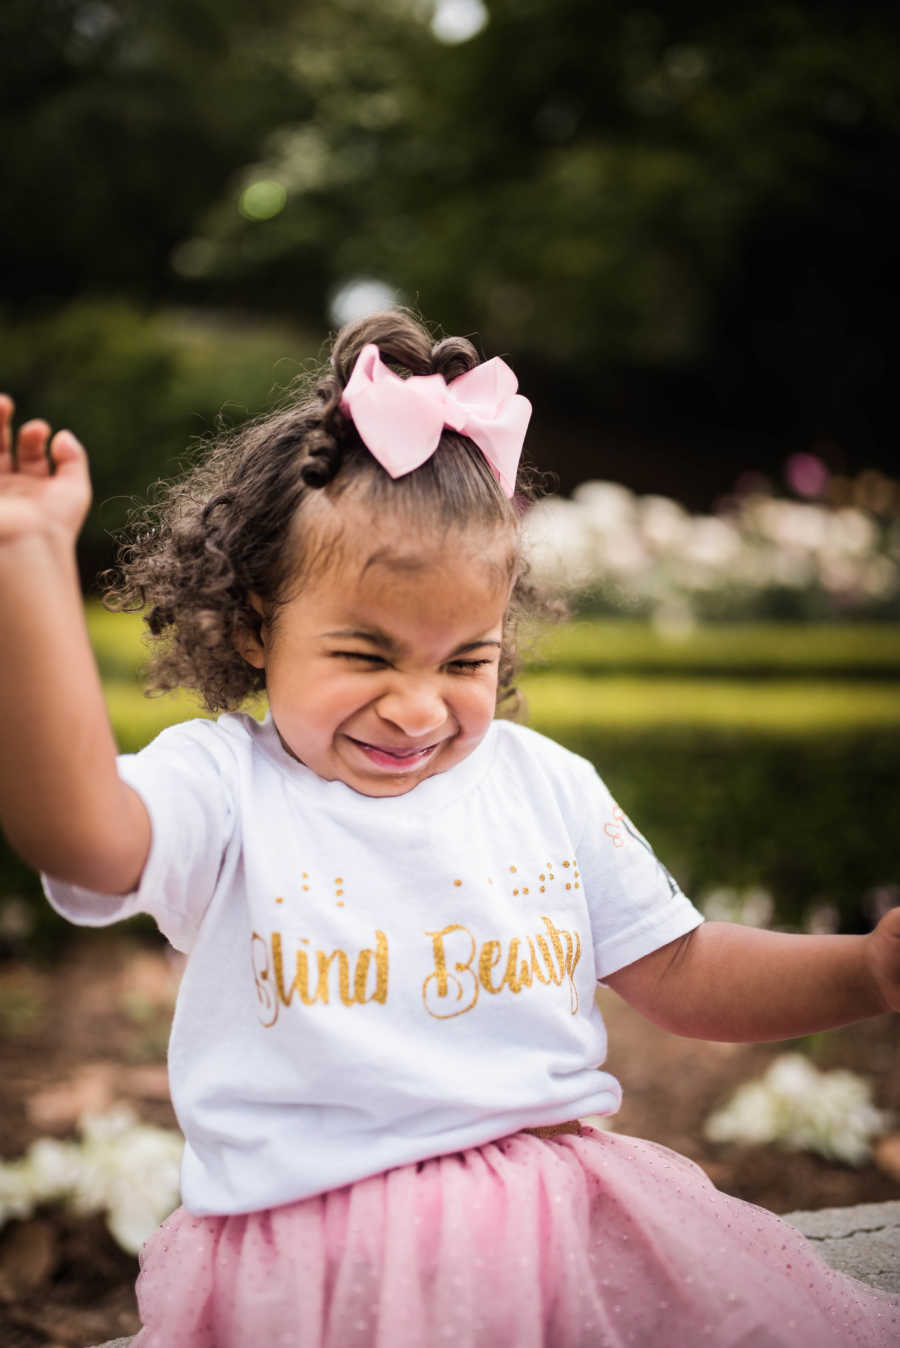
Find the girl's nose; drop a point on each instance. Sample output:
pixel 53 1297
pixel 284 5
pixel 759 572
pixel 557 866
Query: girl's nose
pixel 416 709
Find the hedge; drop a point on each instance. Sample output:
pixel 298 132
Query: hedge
pixel 812 818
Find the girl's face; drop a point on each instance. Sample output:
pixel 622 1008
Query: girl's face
pixel 382 671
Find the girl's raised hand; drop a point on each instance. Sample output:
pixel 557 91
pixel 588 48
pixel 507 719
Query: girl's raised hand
pixel 884 958
pixel 44 483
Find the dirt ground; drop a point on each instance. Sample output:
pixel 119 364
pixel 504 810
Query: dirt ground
pixel 91 1030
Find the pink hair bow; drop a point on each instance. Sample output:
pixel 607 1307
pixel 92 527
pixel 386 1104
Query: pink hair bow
pixel 400 420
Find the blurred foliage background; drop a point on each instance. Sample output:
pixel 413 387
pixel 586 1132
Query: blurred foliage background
pixel 679 221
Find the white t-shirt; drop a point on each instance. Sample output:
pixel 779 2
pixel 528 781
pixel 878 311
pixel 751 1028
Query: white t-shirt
pixel 375 981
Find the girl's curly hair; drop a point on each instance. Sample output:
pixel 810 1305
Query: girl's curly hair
pixel 226 530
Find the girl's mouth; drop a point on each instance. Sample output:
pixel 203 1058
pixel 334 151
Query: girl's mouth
pixel 394 760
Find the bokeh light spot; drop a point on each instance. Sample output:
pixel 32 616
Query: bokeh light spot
pixel 806 475
pixel 456 21
pixel 263 199
pixel 359 297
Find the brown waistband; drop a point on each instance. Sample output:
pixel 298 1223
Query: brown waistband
pixel 555 1129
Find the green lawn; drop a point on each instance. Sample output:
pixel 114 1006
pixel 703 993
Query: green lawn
pixel 561 703
pixel 745 649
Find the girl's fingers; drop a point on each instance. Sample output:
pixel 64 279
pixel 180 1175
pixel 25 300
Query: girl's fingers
pixel 6 413
pixel 32 454
pixel 31 448
pixel 65 451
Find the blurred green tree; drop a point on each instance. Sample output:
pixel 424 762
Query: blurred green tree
pixel 123 119
pixel 681 217
pixel 573 139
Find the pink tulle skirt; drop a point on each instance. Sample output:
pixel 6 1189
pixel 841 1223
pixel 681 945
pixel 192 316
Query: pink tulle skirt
pixel 573 1242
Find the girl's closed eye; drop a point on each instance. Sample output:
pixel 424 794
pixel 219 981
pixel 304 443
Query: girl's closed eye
pixel 459 666
pixel 469 666
pixel 367 657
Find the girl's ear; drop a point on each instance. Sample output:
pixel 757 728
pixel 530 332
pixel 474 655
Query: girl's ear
pixel 250 640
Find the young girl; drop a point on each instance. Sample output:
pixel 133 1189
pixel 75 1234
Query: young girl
pixel 396 907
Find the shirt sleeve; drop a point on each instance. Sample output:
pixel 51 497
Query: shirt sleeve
pixel 635 905
pixel 180 778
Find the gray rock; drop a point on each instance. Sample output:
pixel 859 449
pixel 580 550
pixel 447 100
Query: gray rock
pixel 863 1241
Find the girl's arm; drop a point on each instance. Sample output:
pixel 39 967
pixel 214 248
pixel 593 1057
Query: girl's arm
pixel 733 983
pixel 62 803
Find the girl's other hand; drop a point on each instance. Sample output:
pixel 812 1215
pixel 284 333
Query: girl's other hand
pixel 44 483
pixel 883 950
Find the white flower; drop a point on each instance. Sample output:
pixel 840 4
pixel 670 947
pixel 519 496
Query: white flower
pixel 649 554
pixel 754 566
pixel 839 574
pixel 663 523
pixel 121 1167
pixel 130 1171
pixel 16 1199
pixel 721 905
pixel 798 1107
pixel 752 907
pixel 711 542
pixel 750 1116
pixel 795 570
pixel 605 505
pixel 558 543
pixel 143 1185
pixel 792 1078
pixel 758 907
pixel 850 531
pixel 625 554
pixel 53 1169
pixel 821 919
pixel 108 1127
pixel 787 524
